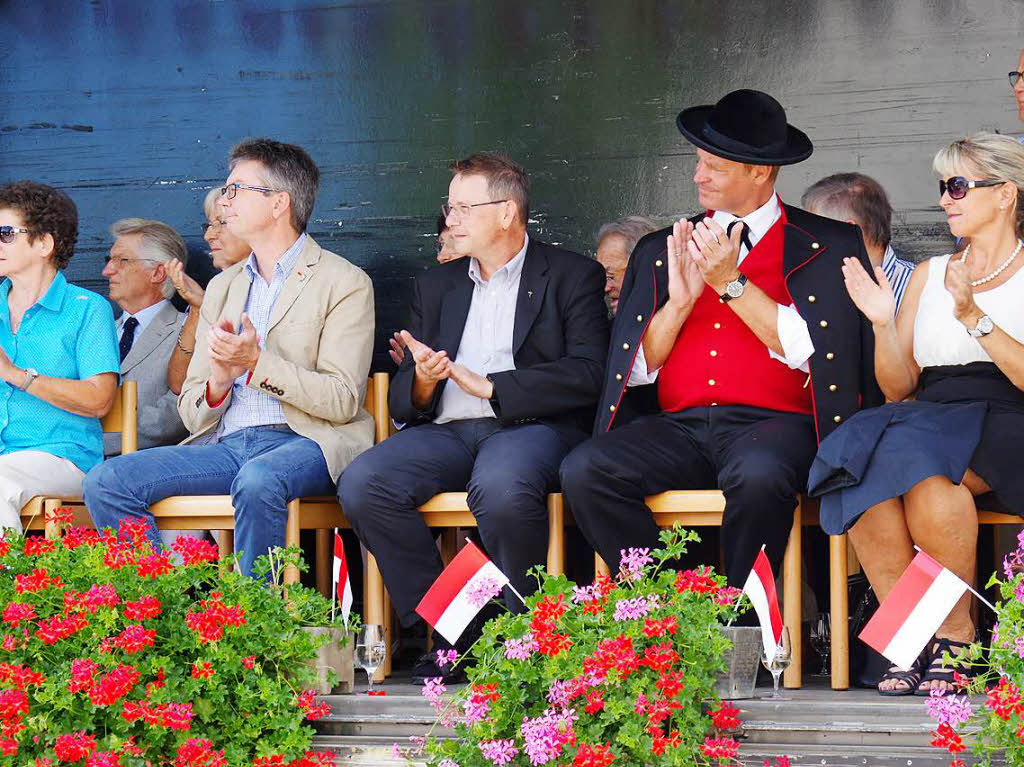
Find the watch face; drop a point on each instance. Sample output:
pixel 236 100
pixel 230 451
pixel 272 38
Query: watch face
pixel 734 289
pixel 985 324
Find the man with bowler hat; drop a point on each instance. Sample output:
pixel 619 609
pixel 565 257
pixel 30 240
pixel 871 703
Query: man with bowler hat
pixel 740 319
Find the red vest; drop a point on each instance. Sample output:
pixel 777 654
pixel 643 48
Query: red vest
pixel 717 359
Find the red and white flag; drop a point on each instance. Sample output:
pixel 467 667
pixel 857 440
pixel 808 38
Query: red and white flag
pixel 460 592
pixel 342 583
pixel 760 587
pixel 913 611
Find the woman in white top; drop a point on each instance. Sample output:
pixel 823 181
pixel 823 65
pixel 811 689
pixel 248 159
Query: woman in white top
pixel 907 473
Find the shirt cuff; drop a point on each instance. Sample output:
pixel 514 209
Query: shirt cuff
pixel 795 339
pixel 639 375
pixel 210 403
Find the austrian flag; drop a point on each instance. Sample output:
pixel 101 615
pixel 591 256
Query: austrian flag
pixel 913 611
pixel 452 602
pixel 760 587
pixel 342 583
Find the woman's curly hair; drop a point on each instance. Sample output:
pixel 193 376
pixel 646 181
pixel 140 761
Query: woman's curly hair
pixel 44 210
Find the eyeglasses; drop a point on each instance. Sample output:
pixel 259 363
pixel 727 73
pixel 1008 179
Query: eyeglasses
pixel 212 225
pixel 461 210
pixel 231 190
pixel 123 261
pixel 1015 78
pixel 8 233
pixel 957 186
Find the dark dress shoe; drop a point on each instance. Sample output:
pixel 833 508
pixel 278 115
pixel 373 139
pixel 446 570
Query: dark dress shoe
pixel 426 668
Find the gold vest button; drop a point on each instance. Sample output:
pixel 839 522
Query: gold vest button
pixel 823 323
pixel 812 299
pixel 658 262
pixel 832 387
pixel 618 376
pixel 830 356
pixel 711 382
pixel 626 347
pixel 612 409
pixel 838 418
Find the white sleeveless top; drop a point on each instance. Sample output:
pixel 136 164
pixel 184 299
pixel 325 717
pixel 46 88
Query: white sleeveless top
pixel 941 339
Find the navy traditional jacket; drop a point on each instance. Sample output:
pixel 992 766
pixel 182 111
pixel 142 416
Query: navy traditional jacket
pixel 842 370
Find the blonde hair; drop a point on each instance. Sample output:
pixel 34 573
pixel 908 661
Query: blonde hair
pixel 210 202
pixel 157 241
pixel 993 157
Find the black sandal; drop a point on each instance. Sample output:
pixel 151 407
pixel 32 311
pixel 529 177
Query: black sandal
pixel 912 678
pixel 938 673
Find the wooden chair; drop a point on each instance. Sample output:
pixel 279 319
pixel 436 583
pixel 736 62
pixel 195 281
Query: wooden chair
pixel 122 419
pixel 215 512
pixel 704 508
pixel 841 558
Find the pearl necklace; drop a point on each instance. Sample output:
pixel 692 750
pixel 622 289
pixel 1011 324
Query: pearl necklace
pixel 999 270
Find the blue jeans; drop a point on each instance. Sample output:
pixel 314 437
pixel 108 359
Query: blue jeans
pixel 263 468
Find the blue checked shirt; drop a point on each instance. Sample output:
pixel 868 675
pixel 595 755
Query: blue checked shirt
pixel 249 406
pixel 898 272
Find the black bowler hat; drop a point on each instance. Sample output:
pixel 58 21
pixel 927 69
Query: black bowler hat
pixel 745 126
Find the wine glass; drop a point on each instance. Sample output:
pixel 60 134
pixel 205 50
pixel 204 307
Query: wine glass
pixel 821 640
pixel 370 650
pixel 779 663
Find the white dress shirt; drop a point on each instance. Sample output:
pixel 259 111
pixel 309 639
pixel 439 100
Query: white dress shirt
pixel 794 336
pixel 143 317
pixel 486 345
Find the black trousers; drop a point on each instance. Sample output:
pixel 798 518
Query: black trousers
pixel 758 458
pixel 507 472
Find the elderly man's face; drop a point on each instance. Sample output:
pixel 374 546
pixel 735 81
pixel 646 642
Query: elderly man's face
pixel 134 282
pixel 1018 89
pixel 613 255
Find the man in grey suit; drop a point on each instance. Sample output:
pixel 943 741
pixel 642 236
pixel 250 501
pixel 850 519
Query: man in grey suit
pixel 148 327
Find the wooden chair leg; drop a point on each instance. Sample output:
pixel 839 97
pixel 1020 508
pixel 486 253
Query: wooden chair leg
pixel 840 612
pixel 793 601
pixel 390 630
pixel 324 560
pixel 556 535
pixel 601 567
pixel 374 610
pixel 291 538
pixel 225 543
pixel 449 544
pixel 50 529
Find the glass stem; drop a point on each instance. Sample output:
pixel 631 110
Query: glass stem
pixel 369 680
pixel 775 680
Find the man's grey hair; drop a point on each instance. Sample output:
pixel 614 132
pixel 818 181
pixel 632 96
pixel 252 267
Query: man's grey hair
pixel 157 241
pixel 632 228
pixel 853 197
pixel 287 168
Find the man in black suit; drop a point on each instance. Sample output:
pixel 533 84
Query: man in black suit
pixel 740 317
pixel 504 364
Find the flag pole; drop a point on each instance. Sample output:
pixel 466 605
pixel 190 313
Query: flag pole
pixel 982 599
pixel 334 586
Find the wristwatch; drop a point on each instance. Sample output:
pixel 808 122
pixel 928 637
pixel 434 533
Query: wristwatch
pixel 735 288
pixel 30 375
pixel 983 328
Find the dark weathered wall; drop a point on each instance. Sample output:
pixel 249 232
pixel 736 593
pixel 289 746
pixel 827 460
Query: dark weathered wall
pixel 132 104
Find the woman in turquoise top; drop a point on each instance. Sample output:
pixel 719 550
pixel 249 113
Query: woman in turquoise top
pixel 59 362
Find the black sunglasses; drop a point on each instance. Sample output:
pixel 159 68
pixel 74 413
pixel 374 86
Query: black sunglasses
pixel 1015 77
pixel 957 186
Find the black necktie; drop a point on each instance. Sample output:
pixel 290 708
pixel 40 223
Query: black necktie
pixel 127 337
pixel 745 237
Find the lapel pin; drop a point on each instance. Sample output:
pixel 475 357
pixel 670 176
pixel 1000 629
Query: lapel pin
pixel 529 294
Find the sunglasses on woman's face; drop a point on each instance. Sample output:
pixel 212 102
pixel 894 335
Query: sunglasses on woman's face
pixel 8 233
pixel 1015 78
pixel 957 186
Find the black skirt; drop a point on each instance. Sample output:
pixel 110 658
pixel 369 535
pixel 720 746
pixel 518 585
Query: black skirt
pixel 965 416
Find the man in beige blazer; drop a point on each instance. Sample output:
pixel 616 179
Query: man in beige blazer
pixel 279 374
